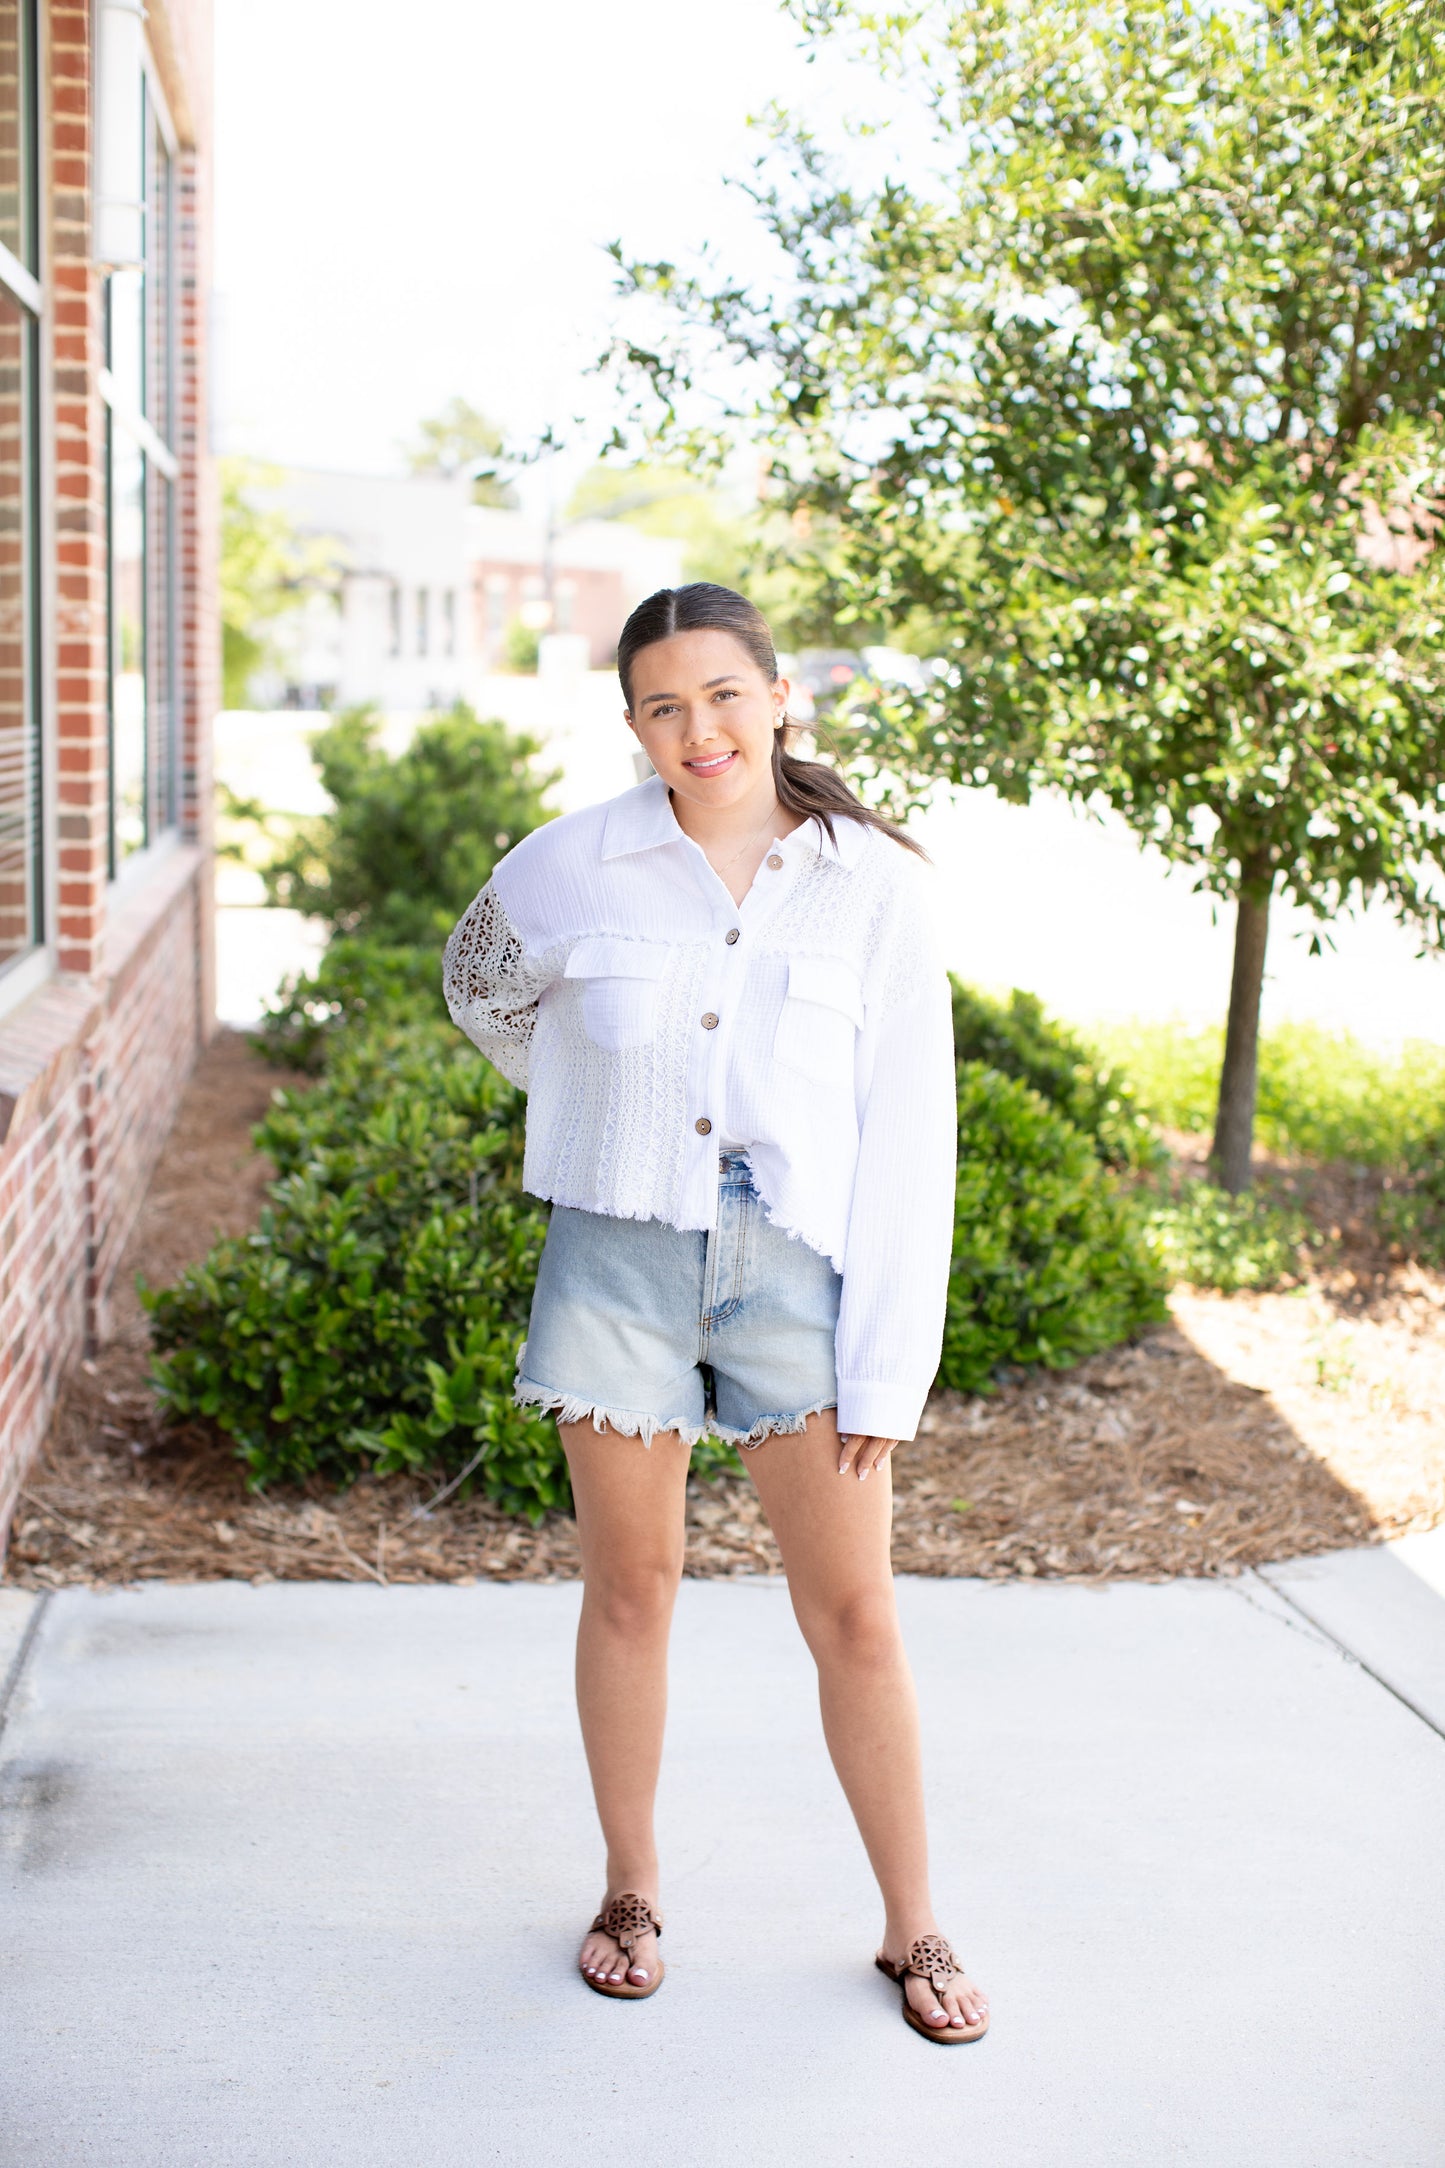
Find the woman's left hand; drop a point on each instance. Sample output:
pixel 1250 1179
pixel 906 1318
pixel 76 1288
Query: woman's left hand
pixel 862 1455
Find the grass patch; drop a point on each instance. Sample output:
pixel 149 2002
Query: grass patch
pixel 1206 1238
pixel 1323 1095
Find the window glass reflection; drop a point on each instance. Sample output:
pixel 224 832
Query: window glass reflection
pixel 19 779
pixel 155 399
pixel 127 644
pixel 15 131
pixel 126 315
pixel 159 659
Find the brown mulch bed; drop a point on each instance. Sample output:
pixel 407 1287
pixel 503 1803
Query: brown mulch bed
pixel 1254 1427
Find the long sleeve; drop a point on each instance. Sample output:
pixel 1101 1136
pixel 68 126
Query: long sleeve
pixel 900 1227
pixel 492 986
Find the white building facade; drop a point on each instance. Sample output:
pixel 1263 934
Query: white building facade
pixel 433 590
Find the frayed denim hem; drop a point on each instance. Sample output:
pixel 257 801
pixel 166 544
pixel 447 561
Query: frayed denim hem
pixel 570 1408
pixel 629 1423
pixel 770 1426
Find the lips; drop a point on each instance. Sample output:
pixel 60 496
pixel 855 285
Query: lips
pixel 713 764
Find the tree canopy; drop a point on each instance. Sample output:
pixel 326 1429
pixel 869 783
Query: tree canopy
pixel 267 570
pixel 459 439
pixel 1127 399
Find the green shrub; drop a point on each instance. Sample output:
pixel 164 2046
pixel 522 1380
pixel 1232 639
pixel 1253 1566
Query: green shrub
pixel 357 984
pixel 1019 1040
pixel 1412 1211
pixel 1322 1094
pixel 408 842
pixel 1051 1259
pixel 1208 1238
pixel 519 648
pixel 372 1320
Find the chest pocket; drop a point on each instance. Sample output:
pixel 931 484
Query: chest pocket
pixel 821 1017
pixel 620 987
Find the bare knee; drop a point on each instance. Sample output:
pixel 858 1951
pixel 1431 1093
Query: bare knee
pixel 857 1628
pixel 633 1601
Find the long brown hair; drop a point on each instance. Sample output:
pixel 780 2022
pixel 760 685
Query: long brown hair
pixel 806 787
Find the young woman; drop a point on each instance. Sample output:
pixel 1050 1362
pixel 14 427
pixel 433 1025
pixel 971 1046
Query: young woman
pixel 723 994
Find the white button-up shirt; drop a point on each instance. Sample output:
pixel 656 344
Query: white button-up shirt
pixel 651 1018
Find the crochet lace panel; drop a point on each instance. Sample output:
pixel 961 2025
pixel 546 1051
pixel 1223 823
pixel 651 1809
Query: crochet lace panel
pixel 869 923
pixel 491 985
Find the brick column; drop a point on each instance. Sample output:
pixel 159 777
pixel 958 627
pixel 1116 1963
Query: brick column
pixel 77 353
pixel 198 534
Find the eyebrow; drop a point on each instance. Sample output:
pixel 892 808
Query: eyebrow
pixel 729 677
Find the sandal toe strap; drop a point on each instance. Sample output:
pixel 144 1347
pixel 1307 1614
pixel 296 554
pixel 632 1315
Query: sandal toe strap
pixel 931 1958
pixel 626 1919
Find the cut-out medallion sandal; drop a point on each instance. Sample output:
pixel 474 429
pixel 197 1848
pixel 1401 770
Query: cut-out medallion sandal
pixel 626 1919
pixel 930 1958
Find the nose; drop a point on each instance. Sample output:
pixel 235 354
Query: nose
pixel 699 727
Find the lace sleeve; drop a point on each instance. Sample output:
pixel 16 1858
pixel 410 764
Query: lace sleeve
pixel 491 986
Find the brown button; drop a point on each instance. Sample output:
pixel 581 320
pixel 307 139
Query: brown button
pixel 734 933
pixel 774 862
pixel 703 1126
pixel 709 1022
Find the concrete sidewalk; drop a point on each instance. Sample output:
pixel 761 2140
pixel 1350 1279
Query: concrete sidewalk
pixel 295 1875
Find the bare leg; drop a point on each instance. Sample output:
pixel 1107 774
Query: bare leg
pixel 833 1532
pixel 630 1502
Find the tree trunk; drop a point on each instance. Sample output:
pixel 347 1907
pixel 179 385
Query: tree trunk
pixel 1234 1121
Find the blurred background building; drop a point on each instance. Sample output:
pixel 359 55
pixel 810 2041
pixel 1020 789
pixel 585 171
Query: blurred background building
pixel 108 640
pixel 431 593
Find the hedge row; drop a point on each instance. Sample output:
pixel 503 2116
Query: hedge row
pixel 372 1319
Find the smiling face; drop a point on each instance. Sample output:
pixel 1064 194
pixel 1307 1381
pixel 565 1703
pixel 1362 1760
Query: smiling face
pixel 705 715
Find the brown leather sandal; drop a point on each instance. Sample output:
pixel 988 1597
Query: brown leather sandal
pixel 930 1958
pixel 626 1918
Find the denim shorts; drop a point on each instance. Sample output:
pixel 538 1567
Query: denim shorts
pixel 644 1327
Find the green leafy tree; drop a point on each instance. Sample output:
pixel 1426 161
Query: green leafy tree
pixel 267 570
pixel 778 555
pixel 409 841
pixel 1132 393
pixel 719 542
pixel 461 440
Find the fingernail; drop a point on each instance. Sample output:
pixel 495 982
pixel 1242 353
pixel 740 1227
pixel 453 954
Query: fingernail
pixel 842 1467
pixel 863 1474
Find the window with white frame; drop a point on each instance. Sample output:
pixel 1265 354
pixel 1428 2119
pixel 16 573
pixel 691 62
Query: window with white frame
pixel 138 386
pixel 21 861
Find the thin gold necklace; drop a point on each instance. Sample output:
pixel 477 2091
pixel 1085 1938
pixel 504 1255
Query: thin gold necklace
pixel 752 839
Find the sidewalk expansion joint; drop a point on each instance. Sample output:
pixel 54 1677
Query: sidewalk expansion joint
pixel 1323 1637
pixel 22 1654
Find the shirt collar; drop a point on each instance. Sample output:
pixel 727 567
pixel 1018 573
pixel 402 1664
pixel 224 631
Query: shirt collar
pixel 643 818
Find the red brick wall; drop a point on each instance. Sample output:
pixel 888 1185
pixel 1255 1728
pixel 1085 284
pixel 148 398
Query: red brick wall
pixel 597 607
pixel 92 1065
pixel 44 1222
